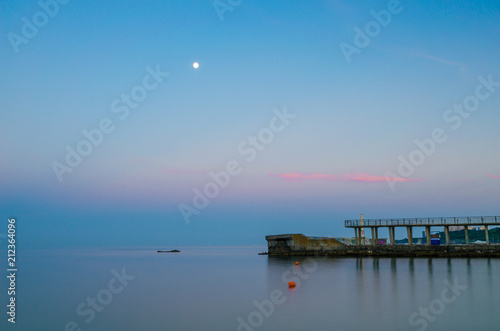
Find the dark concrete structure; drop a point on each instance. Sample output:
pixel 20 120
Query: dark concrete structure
pixel 298 244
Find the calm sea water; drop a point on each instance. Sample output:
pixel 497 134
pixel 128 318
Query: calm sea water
pixel 232 288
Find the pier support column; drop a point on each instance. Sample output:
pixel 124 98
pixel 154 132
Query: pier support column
pixel 428 234
pixel 447 235
pixel 356 236
pixel 376 236
pixel 374 242
pixel 487 234
pixel 391 235
pixel 466 235
pixel 410 236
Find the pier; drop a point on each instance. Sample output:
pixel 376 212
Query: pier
pixel 298 244
pixel 410 223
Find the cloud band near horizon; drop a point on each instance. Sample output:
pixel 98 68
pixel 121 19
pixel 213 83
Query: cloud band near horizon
pixel 358 177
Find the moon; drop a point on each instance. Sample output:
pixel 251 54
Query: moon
pixel 196 65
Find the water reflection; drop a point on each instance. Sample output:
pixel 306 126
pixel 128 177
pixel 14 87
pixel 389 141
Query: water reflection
pixel 209 290
pixel 362 292
pixel 411 268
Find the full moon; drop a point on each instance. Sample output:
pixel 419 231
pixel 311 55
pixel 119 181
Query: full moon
pixel 196 65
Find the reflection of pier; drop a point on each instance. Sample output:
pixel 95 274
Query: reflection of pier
pixel 409 223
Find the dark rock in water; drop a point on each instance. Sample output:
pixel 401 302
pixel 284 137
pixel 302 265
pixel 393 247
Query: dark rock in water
pixel 264 253
pixel 172 251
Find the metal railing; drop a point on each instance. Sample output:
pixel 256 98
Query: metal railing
pixel 458 221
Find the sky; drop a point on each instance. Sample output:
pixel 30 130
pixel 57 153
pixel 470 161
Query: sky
pixel 301 114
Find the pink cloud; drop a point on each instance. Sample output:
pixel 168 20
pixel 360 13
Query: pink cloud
pixel 359 177
pixel 493 176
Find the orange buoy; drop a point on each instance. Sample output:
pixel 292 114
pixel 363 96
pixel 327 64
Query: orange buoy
pixel 296 263
pixel 291 284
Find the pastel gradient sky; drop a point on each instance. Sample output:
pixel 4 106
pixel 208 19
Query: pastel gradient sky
pixel 353 121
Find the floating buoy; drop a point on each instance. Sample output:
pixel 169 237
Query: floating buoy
pixel 291 284
pixel 296 263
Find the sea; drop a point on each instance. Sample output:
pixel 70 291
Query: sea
pixel 234 288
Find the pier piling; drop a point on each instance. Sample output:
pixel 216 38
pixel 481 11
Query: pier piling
pixel 392 235
pixel 447 234
pixel 410 236
pixel 428 234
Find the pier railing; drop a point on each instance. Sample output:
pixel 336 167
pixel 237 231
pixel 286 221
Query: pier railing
pixel 444 221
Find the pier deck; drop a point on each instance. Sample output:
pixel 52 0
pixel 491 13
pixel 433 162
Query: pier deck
pixel 428 222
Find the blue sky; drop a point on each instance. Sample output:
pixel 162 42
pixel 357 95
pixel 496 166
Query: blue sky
pixel 352 122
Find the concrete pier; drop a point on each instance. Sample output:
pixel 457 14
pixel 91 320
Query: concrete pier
pixel 298 244
pixel 428 223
